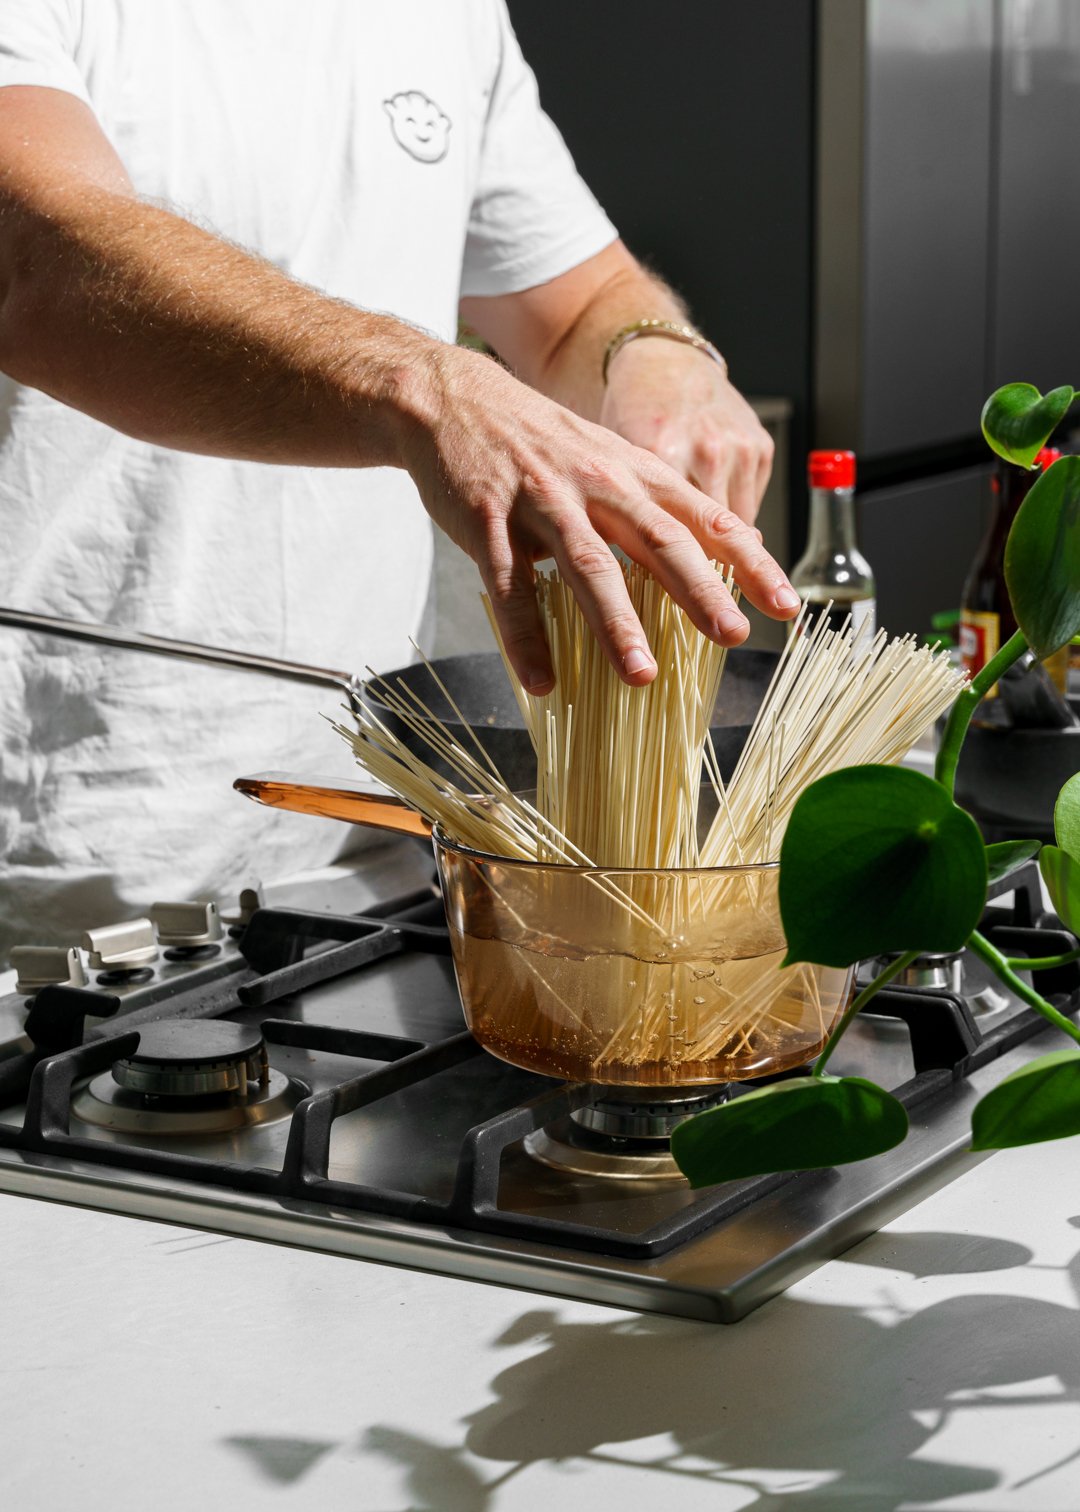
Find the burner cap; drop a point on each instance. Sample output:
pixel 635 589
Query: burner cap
pixel 625 1133
pixel 933 971
pixel 194 1058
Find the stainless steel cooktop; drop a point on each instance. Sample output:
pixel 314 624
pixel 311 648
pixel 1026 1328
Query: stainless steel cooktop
pixel 307 1079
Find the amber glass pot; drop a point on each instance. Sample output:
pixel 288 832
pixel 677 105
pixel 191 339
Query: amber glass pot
pixel 657 978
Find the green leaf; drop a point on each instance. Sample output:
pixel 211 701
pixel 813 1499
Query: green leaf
pixel 1040 1101
pixel 1008 856
pixel 1042 559
pixel 1062 877
pixel 797 1125
pixel 878 859
pixel 1067 817
pixel 1017 420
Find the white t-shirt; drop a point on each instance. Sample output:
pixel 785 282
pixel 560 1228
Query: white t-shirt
pixel 391 152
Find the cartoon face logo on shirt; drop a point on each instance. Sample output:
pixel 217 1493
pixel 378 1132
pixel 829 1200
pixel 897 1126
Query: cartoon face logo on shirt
pixel 419 125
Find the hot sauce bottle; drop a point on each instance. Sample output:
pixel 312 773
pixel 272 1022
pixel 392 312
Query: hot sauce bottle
pixel 986 617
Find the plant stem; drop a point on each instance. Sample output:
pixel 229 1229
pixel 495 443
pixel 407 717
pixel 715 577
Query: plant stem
pixel 1042 963
pixel 870 990
pixel 1000 966
pixel 967 702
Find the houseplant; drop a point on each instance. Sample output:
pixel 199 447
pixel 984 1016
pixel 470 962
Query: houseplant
pixel 875 832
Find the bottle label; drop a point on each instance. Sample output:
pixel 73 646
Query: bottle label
pixel 863 620
pixel 980 640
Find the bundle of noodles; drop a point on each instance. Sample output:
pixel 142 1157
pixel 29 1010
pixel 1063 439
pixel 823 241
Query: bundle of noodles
pixel 618 778
pixel 663 966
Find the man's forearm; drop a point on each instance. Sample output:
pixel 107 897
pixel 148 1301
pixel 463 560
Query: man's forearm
pixel 554 335
pixel 571 372
pixel 171 334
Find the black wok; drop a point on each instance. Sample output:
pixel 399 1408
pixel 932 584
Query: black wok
pixel 479 686
pixel 476 683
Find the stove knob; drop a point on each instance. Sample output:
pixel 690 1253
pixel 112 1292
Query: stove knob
pixel 46 966
pixel 184 925
pixel 251 898
pixel 121 947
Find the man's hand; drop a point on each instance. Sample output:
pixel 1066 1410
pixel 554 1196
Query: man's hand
pixel 514 477
pixel 676 401
pixel 709 464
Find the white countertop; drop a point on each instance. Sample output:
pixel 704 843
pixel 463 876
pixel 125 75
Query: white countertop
pixel 936 1366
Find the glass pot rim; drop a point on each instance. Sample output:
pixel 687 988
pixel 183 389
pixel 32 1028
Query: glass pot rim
pixel 443 842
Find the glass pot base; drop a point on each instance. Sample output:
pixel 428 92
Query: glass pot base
pixel 664 978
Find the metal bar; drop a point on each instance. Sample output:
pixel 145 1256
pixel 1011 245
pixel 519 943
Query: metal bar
pixel 421 906
pixel 364 1044
pixel 326 965
pixel 307 1155
pixel 164 645
pixel 476 1190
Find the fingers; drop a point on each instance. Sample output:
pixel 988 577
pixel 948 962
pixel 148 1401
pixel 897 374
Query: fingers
pixel 512 592
pixel 651 536
pixel 742 494
pixel 575 524
pixel 587 565
pixel 763 473
pixel 735 472
pixel 725 537
pixel 609 503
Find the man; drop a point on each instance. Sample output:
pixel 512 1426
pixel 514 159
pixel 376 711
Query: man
pixel 173 393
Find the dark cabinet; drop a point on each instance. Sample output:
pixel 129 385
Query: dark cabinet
pixel 927 205
pixel 948 214
pixel 920 538
pixel 1036 329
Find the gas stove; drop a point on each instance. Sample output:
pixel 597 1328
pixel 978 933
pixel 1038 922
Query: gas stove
pixel 303 1075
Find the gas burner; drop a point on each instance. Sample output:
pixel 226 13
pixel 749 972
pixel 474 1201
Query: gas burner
pixel 935 973
pixel 194 1058
pixel 624 1134
pixel 189 1076
pixel 958 972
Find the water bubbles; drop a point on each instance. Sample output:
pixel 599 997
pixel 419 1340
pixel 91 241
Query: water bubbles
pixel 699 1001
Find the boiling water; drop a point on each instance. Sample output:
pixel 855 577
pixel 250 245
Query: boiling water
pixel 677 1016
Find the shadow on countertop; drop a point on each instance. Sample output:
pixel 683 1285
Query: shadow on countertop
pixel 801 1404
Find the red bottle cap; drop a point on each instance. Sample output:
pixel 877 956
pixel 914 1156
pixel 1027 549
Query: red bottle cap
pixel 1047 457
pixel 831 469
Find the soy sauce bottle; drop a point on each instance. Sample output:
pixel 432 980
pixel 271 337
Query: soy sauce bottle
pixel 832 567
pixel 986 617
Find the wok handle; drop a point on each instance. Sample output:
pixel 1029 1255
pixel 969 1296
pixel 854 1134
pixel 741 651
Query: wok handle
pixel 332 798
pixel 163 645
